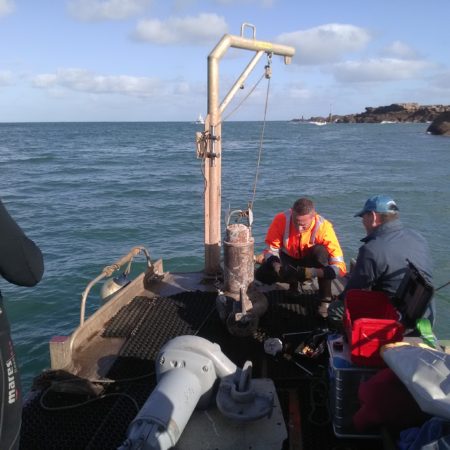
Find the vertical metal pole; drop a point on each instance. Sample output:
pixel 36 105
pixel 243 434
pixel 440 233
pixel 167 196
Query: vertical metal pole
pixel 213 171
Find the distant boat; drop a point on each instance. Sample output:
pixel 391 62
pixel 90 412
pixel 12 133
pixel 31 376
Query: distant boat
pixel 320 121
pixel 388 121
pixel 200 119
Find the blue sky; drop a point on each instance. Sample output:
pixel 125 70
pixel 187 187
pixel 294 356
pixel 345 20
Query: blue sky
pixel 145 60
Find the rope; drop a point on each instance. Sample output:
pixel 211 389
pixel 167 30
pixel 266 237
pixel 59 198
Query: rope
pixel 92 400
pixel 261 140
pixel 443 286
pixel 267 74
pixel 244 99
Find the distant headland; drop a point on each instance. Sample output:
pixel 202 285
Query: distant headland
pixel 397 113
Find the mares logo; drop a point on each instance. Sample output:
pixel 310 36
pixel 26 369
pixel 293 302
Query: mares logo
pixel 10 369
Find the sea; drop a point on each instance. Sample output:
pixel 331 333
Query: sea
pixel 87 193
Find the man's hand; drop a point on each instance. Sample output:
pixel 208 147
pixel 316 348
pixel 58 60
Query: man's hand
pixel 259 259
pixel 306 273
pixel 276 264
pixel 328 273
pixel 289 274
pixel 276 267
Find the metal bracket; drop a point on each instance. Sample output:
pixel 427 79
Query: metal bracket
pixel 201 140
pixel 248 25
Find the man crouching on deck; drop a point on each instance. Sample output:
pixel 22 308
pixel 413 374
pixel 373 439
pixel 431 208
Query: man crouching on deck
pixel 302 245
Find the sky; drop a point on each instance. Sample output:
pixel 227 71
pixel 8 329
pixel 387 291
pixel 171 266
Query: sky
pixel 146 60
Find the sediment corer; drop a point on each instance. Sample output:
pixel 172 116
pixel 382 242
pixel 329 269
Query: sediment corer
pixel 238 255
pixel 239 304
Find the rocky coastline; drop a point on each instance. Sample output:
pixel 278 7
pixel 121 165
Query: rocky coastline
pixel 396 113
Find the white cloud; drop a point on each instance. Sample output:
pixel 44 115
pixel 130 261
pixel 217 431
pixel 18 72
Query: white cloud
pixel 442 80
pixel 182 88
pixel 326 43
pixel 398 49
pixel 202 29
pixel 374 70
pixel 84 81
pixel 92 10
pixel 299 93
pixel 6 7
pixel 5 77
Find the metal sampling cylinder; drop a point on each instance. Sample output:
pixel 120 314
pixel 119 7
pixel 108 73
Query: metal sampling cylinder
pixel 240 304
pixel 238 259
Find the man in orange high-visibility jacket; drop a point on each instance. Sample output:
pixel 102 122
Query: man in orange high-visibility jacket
pixel 302 245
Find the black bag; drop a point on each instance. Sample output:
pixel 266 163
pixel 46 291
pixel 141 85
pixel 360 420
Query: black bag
pixel 413 295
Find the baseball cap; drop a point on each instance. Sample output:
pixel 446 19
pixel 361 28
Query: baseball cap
pixel 379 204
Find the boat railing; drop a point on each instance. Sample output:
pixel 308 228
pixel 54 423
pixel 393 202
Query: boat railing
pixel 63 348
pixel 109 270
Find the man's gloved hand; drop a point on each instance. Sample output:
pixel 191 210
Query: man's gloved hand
pixel 306 273
pixel 276 267
pixel 289 274
pixel 329 273
pixel 276 264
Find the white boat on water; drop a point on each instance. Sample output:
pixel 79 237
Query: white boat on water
pixel 164 362
pixel 319 123
pixel 200 120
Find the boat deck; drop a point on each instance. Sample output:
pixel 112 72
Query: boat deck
pixel 65 411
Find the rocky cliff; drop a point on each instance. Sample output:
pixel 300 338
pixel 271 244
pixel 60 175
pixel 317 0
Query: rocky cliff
pixel 397 112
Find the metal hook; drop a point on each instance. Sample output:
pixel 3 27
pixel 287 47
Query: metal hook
pixel 240 214
pixel 268 66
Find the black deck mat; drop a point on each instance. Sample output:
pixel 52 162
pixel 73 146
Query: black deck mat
pixel 52 421
pixel 160 320
pixel 128 318
pixel 148 324
pixel 181 314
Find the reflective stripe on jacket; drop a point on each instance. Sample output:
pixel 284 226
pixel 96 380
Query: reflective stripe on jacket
pixel 283 235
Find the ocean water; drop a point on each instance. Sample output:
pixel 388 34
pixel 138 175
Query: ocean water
pixel 86 193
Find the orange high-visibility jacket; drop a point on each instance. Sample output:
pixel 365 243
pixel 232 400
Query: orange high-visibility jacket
pixel 283 235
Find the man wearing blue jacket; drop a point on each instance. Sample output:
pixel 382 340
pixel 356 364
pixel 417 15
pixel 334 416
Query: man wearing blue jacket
pixel 382 259
pixel 21 263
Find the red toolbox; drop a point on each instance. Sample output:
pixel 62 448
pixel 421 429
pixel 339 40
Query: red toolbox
pixel 370 322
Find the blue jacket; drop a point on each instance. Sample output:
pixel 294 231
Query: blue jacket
pixel 381 262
